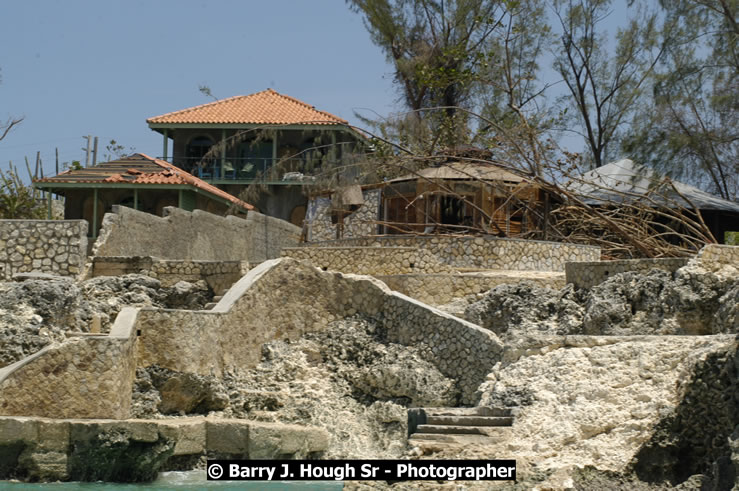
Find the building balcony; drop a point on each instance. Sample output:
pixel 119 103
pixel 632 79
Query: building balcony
pixel 247 170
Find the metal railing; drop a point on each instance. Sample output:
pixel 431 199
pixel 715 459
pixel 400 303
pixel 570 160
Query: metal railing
pixel 250 169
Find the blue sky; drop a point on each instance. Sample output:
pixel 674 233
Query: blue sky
pixel 82 67
pixel 101 67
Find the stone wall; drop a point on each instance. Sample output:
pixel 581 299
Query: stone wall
pixel 361 223
pixel 219 275
pixel 369 260
pixel 714 256
pixel 476 253
pixel 440 289
pixel 283 299
pixel 588 274
pixel 195 235
pixel 89 376
pixel 47 246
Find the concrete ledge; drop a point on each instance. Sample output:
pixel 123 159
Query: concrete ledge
pixel 440 289
pixel 591 273
pixel 52 449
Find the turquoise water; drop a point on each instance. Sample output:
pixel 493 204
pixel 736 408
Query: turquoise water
pixel 176 481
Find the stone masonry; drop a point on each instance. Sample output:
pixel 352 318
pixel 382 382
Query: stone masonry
pixel 482 253
pixel 45 246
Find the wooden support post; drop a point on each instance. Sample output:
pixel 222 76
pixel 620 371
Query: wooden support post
pixel 95 213
pixel 223 152
pixel 135 199
pixel 181 199
pixel 165 144
pixel 48 205
pixel 274 148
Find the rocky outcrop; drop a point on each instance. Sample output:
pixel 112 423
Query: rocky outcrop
pixel 659 405
pixel 349 370
pixel 691 301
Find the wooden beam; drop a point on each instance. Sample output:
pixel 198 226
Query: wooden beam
pixel 94 213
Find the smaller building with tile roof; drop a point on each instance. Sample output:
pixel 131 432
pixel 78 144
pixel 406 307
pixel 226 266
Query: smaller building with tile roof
pixel 140 182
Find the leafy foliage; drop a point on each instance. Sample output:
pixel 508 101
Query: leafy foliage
pixel 18 201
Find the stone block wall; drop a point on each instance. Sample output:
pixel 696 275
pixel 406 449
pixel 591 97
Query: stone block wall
pixel 196 235
pixel 440 289
pixel 219 275
pixel 47 246
pixel 283 299
pixel 589 274
pixel 369 260
pixel 714 256
pixel 84 377
pixel 476 253
pixel 361 223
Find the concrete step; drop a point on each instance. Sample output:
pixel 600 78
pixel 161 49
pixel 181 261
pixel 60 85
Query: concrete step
pixel 217 298
pixel 419 439
pixel 467 411
pixel 470 420
pixel 450 430
pixel 209 306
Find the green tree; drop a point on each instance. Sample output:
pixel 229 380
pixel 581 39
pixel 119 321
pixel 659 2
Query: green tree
pixel 691 128
pixel 437 48
pixel 604 89
pixel 16 199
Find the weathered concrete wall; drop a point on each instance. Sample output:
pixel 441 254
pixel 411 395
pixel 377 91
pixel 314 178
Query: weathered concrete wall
pixel 369 260
pixel 440 289
pixel 483 252
pixel 267 236
pixel 219 275
pixel 196 235
pixel 83 377
pixel 47 246
pixel 361 223
pixel 589 274
pixel 38 449
pixel 285 299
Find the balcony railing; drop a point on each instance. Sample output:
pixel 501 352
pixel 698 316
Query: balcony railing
pixel 249 169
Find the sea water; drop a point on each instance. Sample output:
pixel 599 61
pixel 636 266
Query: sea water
pixel 177 481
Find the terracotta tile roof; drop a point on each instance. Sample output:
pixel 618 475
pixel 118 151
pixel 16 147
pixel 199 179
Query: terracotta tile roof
pixel 265 107
pixel 139 168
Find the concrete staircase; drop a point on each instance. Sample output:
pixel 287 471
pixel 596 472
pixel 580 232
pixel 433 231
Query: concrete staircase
pixel 478 425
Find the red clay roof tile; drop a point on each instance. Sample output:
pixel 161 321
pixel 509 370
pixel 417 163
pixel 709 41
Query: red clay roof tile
pixel 265 107
pixel 139 168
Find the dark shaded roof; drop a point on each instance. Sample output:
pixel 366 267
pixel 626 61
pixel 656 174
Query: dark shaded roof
pixel 609 182
pixel 139 169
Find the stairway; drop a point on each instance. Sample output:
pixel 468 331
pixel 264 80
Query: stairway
pixel 458 425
